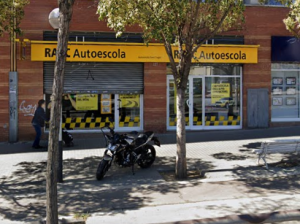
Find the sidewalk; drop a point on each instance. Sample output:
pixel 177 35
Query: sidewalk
pixel 225 155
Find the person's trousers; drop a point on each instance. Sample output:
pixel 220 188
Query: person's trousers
pixel 37 139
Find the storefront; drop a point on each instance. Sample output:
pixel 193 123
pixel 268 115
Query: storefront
pixel 104 84
pixel 98 94
pixel 285 102
pixel 213 98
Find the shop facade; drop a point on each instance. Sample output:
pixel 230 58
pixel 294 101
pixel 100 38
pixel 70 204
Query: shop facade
pixel 127 83
pixel 104 85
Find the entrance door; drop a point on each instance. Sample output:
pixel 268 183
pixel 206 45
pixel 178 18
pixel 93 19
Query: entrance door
pixel 129 113
pixel 196 102
pixel 193 103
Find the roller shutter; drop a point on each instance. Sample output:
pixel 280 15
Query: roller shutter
pixel 98 77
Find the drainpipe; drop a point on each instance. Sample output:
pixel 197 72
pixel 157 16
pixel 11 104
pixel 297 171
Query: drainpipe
pixel 13 88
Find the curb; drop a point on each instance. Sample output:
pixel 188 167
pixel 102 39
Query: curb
pixel 281 216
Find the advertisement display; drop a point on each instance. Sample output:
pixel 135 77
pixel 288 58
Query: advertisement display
pixel 105 103
pixel 86 102
pixel 129 100
pixel 219 91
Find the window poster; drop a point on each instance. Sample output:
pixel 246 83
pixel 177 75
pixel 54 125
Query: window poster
pixel 291 90
pixel 219 91
pixel 291 80
pixel 86 102
pixel 290 101
pixel 277 81
pixel 277 101
pixel 277 90
pixel 105 103
pixel 130 100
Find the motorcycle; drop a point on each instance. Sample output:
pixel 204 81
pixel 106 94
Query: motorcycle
pixel 126 151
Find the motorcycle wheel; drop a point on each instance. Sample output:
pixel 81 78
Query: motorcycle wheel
pixel 101 170
pixel 148 156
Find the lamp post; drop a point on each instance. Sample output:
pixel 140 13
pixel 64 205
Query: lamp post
pixel 54 22
pixel 54 18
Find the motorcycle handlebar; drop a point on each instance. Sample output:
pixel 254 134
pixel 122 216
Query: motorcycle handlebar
pixel 110 129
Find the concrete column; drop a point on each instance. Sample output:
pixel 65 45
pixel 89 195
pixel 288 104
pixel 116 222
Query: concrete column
pixel 13 107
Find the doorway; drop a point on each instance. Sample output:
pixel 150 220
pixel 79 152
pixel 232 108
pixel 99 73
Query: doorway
pixel 211 102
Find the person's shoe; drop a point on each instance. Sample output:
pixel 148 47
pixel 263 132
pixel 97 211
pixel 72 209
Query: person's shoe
pixel 36 147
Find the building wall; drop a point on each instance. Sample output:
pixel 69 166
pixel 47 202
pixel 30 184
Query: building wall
pixel 155 97
pixel 261 24
pixel 4 80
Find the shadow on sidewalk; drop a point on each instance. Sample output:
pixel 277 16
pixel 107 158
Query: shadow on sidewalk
pixel 22 195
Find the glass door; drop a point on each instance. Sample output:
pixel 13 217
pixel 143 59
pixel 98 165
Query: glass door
pixel 193 103
pixel 129 113
pixel 196 102
pixel 172 104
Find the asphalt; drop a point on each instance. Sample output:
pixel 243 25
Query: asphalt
pixel 234 186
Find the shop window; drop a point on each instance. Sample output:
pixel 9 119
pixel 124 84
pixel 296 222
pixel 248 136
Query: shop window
pixel 212 97
pixel 129 110
pixel 285 92
pixel 222 101
pixel 93 111
pixel 173 104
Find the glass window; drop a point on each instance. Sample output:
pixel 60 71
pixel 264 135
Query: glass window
pixel 212 97
pixel 222 101
pixel 85 111
pixel 285 93
pixel 129 110
pixel 92 111
pixel 173 103
pixel 267 2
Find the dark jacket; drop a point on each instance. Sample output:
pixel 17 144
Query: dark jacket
pixel 39 117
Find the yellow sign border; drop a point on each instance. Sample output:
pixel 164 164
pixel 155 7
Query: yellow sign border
pixel 136 52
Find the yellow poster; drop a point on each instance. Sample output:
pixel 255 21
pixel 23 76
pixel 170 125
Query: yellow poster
pixel 86 102
pixel 128 100
pixel 219 91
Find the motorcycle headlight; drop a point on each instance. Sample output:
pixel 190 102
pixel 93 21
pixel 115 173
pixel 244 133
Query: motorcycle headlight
pixel 112 147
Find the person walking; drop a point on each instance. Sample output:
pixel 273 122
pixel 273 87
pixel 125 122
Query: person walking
pixel 38 121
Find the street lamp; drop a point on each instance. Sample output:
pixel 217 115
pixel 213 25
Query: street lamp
pixel 54 18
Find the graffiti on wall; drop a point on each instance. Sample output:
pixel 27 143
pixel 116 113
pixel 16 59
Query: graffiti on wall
pixel 27 109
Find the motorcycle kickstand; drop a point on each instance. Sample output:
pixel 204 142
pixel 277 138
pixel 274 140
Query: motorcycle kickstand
pixel 133 173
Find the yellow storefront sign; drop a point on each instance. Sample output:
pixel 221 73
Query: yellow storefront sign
pixel 142 53
pixel 219 91
pixel 128 100
pixel 86 102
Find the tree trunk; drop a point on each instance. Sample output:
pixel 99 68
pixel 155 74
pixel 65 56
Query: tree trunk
pixel 65 8
pixel 180 170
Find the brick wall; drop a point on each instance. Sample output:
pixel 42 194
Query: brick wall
pixel 155 97
pixel 4 98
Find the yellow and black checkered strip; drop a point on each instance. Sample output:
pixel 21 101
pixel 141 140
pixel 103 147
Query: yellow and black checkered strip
pixel 211 121
pixel 81 123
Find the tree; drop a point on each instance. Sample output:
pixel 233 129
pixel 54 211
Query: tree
pixel 65 15
pixel 11 14
pixel 292 22
pixel 186 23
